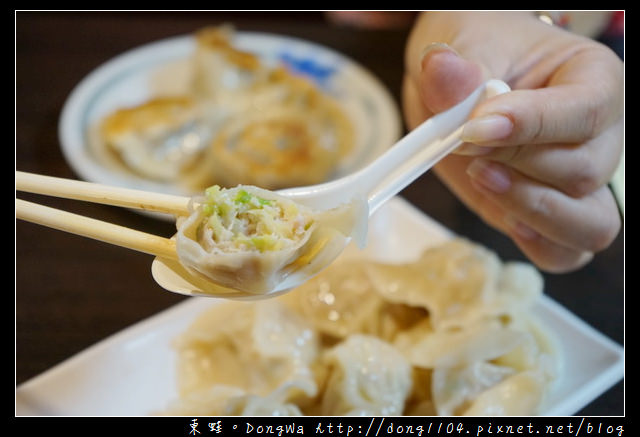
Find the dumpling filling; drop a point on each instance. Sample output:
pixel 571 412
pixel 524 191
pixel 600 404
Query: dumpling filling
pixel 257 241
pixel 237 220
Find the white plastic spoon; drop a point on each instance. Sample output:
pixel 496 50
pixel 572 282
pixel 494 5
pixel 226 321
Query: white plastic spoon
pixel 385 177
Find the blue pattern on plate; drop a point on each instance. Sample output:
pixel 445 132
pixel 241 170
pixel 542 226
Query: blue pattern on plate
pixel 308 67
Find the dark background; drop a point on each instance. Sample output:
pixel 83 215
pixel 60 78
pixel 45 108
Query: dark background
pixel 72 292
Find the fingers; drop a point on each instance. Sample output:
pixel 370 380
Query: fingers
pixel 576 170
pixel 563 121
pixel 558 114
pixel 550 256
pixel 446 78
pixel 546 253
pixel 582 97
pixel 413 109
pixel 589 223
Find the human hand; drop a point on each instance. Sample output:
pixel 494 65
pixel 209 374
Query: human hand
pixel 536 161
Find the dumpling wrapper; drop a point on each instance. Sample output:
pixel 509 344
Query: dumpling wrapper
pixel 455 387
pixel 163 139
pixel 262 349
pixel 284 131
pixel 483 341
pixel 518 395
pixel 459 283
pixel 258 271
pixel 340 301
pixel 286 146
pixel 368 376
pixel 226 400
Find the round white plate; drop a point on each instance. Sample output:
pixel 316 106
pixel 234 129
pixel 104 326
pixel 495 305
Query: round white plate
pixel 162 67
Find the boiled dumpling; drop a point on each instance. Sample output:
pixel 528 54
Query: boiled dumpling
pixel 225 400
pixel 454 388
pixel 207 401
pixel 425 347
pixel 517 395
pixel 459 283
pixel 339 302
pixel 260 349
pixel 366 338
pixel 252 405
pixel 256 241
pixel 367 376
pixel 480 363
pixel 447 280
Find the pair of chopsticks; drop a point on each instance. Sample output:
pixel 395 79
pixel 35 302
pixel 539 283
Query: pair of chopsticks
pixel 104 194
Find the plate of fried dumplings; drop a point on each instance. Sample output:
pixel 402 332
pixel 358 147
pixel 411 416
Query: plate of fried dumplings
pixel 225 107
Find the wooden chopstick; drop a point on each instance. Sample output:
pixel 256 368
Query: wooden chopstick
pixel 96 229
pixel 98 193
pixel 104 194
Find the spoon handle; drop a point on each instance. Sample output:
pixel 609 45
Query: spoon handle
pixel 401 164
pixel 421 148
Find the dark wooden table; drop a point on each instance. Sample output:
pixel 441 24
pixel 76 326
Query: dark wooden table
pixel 72 292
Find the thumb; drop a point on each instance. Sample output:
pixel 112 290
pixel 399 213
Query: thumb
pixel 445 78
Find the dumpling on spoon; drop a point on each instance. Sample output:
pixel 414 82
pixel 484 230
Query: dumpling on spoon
pixel 257 241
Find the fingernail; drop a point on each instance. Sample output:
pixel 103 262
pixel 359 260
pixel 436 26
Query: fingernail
pixel 468 149
pixel 519 228
pixel 488 128
pixel 434 47
pixel 489 175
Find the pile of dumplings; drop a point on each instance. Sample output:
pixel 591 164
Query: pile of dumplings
pixel 240 121
pixel 448 334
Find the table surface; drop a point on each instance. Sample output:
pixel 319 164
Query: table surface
pixel 72 292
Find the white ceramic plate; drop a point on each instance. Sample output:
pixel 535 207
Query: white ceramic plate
pixel 162 68
pixel 132 373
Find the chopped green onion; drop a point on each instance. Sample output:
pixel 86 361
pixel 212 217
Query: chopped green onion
pixel 208 209
pixel 242 197
pixel 262 201
pixel 212 191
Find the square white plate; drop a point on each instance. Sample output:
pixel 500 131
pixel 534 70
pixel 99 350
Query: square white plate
pixel 132 373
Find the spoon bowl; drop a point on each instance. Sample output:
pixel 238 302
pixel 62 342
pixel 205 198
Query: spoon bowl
pixel 373 185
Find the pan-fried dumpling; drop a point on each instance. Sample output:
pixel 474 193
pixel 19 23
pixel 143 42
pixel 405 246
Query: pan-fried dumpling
pixel 163 139
pixel 256 241
pixel 285 131
pixel 242 120
pixel 367 376
pixel 221 70
pixel 279 148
